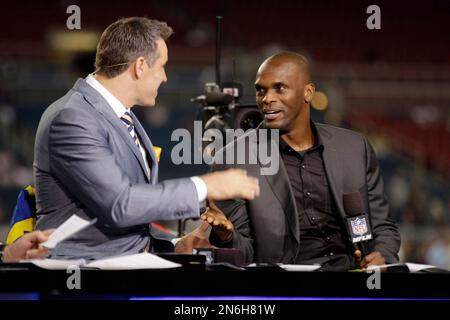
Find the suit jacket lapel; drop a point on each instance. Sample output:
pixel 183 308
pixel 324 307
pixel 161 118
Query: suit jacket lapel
pixel 148 146
pixel 100 104
pixel 282 189
pixel 333 167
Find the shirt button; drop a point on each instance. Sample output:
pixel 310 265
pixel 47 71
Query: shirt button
pixel 308 193
pixel 303 166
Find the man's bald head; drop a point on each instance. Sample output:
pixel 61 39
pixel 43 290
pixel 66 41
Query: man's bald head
pixel 284 91
pixel 287 57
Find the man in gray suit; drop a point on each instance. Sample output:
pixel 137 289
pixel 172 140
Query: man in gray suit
pixel 94 159
pixel 300 215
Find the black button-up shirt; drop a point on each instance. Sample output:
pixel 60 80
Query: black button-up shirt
pixel 322 232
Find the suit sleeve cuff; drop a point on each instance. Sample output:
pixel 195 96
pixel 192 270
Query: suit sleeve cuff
pixel 202 190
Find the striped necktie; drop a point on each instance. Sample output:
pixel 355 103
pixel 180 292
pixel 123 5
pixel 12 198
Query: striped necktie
pixel 128 120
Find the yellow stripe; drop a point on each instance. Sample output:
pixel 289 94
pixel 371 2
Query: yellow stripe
pixel 19 228
pixel 30 190
pixel 158 151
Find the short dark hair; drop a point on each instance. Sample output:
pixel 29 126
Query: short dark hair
pixel 127 39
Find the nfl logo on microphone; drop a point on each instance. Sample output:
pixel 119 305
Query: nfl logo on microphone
pixel 359 226
pixel 359 229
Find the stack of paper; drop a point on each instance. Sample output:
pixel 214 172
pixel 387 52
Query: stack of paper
pixel 130 262
pixel 412 267
pixel 75 224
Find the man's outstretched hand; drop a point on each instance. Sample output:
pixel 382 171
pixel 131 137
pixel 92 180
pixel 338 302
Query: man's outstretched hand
pixel 194 239
pixel 221 226
pixel 230 184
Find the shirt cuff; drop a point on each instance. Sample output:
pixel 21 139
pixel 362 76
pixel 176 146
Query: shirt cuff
pixel 175 241
pixel 202 190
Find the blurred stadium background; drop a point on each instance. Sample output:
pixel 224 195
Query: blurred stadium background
pixel 392 84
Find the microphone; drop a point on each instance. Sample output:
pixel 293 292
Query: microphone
pixel 214 98
pixel 357 221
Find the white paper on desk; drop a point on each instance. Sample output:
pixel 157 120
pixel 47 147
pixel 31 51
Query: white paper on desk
pixel 133 262
pixel 53 264
pixel 130 262
pixel 299 267
pixel 413 267
pixel 71 226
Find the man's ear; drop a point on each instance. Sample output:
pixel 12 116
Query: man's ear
pixel 308 93
pixel 139 67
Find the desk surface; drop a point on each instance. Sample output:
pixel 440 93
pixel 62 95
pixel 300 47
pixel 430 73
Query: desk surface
pixel 190 282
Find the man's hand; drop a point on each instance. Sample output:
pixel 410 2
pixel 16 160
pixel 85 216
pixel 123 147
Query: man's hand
pixel 27 247
pixel 229 184
pixel 372 259
pixel 194 239
pixel 222 227
pixel 357 255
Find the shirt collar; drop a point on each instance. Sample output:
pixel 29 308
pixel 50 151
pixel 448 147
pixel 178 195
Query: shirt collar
pixel 114 103
pixel 318 144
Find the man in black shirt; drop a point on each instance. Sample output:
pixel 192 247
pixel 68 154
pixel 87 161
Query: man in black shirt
pixel 321 230
pixel 299 216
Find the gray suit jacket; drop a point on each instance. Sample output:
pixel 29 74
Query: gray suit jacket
pixel 267 228
pixel 86 163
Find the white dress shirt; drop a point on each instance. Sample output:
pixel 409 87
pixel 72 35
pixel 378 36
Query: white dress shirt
pixel 119 110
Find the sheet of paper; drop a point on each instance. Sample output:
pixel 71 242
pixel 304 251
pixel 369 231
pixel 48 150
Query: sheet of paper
pixel 413 267
pixel 299 267
pixel 133 262
pixel 73 225
pixel 52 264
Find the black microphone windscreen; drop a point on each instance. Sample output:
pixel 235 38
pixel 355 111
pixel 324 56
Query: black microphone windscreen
pixel 353 205
pixel 218 98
